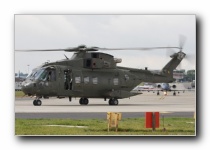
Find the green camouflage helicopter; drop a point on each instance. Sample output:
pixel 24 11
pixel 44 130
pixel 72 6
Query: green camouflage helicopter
pixel 93 74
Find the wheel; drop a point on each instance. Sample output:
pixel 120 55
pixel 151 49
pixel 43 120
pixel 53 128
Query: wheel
pixel 38 102
pixel 115 102
pixel 174 94
pixel 86 101
pixel 158 93
pixel 81 101
pixel 111 101
pixel 35 102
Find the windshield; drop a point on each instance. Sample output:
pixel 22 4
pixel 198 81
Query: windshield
pixel 45 74
pixel 33 74
pixel 38 74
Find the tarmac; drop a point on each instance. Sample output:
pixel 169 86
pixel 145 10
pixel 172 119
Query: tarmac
pixel 181 105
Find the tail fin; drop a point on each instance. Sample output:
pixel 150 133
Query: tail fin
pixel 172 64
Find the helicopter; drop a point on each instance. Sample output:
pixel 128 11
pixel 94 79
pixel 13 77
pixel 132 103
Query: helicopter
pixel 93 74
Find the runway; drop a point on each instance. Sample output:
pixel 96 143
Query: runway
pixel 184 104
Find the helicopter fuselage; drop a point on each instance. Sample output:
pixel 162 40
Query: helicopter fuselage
pixel 66 81
pixel 90 75
pixel 72 82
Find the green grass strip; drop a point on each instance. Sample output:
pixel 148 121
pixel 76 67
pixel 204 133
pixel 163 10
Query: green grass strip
pixel 127 127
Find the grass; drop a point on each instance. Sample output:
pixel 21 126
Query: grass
pixel 19 94
pixel 128 126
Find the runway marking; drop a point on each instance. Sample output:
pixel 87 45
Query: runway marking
pixel 66 126
pixel 162 97
pixel 166 112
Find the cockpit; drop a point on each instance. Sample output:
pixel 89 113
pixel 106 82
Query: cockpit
pixel 46 74
pixel 43 74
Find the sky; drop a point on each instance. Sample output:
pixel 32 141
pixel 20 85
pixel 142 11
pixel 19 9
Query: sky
pixel 109 31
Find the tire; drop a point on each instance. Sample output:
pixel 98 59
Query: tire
pixel 115 102
pixel 35 102
pixel 86 101
pixel 111 102
pixel 81 101
pixel 39 103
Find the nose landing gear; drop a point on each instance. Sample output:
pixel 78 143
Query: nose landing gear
pixel 37 102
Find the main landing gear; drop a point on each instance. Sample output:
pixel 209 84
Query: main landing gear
pixel 113 101
pixel 83 101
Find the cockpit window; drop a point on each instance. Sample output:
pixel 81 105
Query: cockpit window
pixel 38 74
pixel 43 75
pixel 51 75
pixel 32 74
pixel 47 74
pixel 29 75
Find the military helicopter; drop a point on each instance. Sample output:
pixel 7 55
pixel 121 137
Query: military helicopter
pixel 93 74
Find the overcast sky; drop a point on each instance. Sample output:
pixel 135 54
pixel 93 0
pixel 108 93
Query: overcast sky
pixel 110 31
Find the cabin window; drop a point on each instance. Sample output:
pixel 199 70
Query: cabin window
pixel 86 80
pixel 116 81
pixel 77 79
pixel 95 55
pixel 95 80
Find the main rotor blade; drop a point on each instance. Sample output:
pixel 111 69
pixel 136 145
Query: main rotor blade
pixel 77 49
pixel 138 48
pixel 170 51
pixel 35 50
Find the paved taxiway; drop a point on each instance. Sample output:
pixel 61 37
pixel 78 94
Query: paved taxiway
pixel 184 104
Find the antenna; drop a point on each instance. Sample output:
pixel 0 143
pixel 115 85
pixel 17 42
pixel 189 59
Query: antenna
pixel 66 56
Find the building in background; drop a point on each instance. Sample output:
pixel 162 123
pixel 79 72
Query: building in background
pixel 19 78
pixel 184 76
pixel 179 75
pixel 18 83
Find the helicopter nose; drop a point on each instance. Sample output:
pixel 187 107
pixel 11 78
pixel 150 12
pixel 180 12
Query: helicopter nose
pixel 27 88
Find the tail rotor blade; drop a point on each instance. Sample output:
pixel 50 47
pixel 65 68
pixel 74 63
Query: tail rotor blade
pixel 182 40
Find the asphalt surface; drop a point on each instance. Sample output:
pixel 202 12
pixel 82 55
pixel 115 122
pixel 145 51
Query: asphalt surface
pixel 182 105
pixel 96 115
